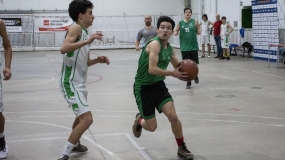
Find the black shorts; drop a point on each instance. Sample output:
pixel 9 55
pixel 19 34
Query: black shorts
pixel 193 55
pixel 149 97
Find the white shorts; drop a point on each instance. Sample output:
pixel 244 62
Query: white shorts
pixel 224 43
pixel 1 101
pixel 205 39
pixel 78 103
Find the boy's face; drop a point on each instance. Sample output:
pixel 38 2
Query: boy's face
pixel 87 17
pixel 187 13
pixel 165 31
pixel 224 20
pixel 204 18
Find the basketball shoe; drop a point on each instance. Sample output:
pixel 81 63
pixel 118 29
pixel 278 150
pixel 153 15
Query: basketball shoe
pixel 137 128
pixel 3 148
pixel 183 152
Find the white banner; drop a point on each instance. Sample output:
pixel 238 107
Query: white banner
pixel 54 23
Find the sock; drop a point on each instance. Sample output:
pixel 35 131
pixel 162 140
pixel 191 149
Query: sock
pixel 139 121
pixel 179 141
pixel 2 135
pixel 67 149
pixel 228 55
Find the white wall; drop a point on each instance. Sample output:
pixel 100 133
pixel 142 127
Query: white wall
pixel 103 7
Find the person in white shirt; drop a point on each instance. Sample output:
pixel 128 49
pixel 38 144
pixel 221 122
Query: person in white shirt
pixel 226 30
pixel 205 37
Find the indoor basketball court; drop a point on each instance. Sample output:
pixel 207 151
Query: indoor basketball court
pixel 235 112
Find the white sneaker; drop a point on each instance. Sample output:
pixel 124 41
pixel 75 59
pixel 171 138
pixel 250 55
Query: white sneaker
pixel 209 56
pixel 4 152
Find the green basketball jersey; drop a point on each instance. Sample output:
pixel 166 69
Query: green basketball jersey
pixel 143 77
pixel 188 36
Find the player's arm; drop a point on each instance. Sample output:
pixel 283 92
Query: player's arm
pixel 154 49
pixel 99 59
pixel 7 51
pixel 137 45
pixel 231 29
pixel 198 30
pixel 176 30
pixel 175 63
pixel 138 39
pixel 73 34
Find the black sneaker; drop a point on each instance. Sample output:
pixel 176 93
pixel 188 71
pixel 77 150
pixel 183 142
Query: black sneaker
pixel 64 158
pixel 80 148
pixel 183 152
pixel 222 58
pixel 217 57
pixel 196 80
pixel 228 58
pixel 188 85
pixel 3 148
pixel 137 128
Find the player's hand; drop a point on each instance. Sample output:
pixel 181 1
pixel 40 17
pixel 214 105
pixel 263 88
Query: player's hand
pixel 97 36
pixel 137 48
pixel 180 75
pixel 175 33
pixel 227 34
pixel 103 59
pixel 7 73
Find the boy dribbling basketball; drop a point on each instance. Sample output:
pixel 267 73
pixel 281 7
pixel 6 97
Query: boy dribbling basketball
pixel 76 60
pixel 150 90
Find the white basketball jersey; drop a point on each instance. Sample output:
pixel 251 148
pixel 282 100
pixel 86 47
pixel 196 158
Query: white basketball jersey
pixel 204 26
pixel 73 75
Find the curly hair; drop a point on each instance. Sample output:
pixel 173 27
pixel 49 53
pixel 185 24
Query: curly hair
pixel 78 6
pixel 165 19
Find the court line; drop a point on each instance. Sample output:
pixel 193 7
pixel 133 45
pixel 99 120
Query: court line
pixel 111 111
pixel 55 125
pixel 258 72
pixel 211 120
pixel 134 143
pixel 49 80
pixel 137 146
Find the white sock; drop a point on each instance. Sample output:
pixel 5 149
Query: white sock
pixel 2 135
pixel 67 149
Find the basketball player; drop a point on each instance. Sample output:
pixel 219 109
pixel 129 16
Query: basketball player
pixel 226 30
pixel 7 75
pixel 189 28
pixel 205 37
pixel 146 33
pixel 149 87
pixel 76 59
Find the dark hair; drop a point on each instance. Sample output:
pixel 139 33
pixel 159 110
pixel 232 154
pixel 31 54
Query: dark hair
pixel 224 18
pixel 187 8
pixel 165 19
pixel 78 6
pixel 205 15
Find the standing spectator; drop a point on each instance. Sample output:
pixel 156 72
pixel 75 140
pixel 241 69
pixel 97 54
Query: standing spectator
pixel 146 33
pixel 226 30
pixel 205 36
pixel 217 30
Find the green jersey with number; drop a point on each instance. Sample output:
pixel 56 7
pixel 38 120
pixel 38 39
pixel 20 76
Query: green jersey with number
pixel 143 77
pixel 188 36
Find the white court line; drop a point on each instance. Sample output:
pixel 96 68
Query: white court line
pixel 50 80
pixel 112 111
pixel 145 155
pixel 258 72
pixel 211 120
pixel 138 147
pixel 55 125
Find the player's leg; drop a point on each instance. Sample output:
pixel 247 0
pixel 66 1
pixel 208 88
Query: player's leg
pixel 145 100
pixel 79 105
pixel 195 58
pixel 208 44
pixel 3 146
pixel 78 147
pixel 228 54
pixel 186 55
pixel 203 46
pixel 166 105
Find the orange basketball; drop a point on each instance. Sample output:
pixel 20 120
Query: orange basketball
pixel 190 67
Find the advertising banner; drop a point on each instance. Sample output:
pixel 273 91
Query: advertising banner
pixel 13 24
pixel 54 23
